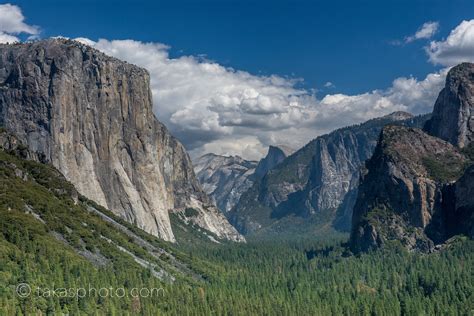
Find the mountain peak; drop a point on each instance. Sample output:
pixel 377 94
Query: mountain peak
pixel 275 155
pixel 401 195
pixel 285 149
pixel 453 118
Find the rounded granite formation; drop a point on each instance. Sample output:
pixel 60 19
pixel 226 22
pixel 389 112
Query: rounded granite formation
pixel 453 114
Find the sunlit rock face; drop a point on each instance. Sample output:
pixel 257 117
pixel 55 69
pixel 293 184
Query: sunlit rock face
pixel 90 115
pixel 453 114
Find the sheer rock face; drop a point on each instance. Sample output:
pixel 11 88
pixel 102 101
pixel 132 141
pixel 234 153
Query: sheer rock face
pixel 275 155
pixel 91 116
pixel 401 195
pixel 321 177
pixel 453 114
pixel 224 178
pixel 458 205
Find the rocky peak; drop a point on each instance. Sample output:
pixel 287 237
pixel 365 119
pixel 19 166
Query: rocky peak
pixel 318 181
pixel 91 116
pixel 275 155
pixel 401 195
pixel 453 114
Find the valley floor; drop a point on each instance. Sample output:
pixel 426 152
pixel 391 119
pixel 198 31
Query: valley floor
pixel 50 239
pixel 262 278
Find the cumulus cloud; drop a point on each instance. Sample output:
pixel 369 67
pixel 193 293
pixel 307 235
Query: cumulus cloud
pixel 212 108
pixel 12 24
pixel 426 31
pixel 456 48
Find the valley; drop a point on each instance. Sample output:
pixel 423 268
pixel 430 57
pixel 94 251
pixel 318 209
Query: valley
pixel 376 218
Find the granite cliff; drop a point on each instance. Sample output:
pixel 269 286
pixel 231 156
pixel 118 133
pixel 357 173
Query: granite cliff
pixel 453 113
pixel 90 116
pixel 224 178
pixel 418 186
pixel 275 155
pixel 319 181
pixel 401 196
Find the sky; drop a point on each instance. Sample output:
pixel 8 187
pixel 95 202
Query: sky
pixel 233 77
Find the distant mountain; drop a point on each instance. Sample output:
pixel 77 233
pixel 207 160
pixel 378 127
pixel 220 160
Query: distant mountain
pixel 316 185
pixel 225 178
pixel 91 117
pixel 275 155
pixel 418 189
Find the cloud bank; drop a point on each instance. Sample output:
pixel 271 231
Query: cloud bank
pixel 12 24
pixel 213 108
pixel 456 48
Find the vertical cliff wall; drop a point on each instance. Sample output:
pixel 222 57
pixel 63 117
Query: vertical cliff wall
pixel 91 116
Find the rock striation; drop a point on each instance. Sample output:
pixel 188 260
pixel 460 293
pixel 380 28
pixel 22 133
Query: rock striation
pixel 224 178
pixel 90 115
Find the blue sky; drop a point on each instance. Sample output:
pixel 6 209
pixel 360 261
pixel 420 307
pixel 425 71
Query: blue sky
pixel 358 46
pixel 344 42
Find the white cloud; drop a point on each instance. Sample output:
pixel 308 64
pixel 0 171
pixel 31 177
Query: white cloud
pixel 12 23
pixel 457 48
pixel 245 146
pixel 213 108
pixel 426 31
pixel 329 84
pixel 6 38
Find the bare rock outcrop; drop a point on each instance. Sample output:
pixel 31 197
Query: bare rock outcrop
pixel 401 195
pixel 224 178
pixel 318 182
pixel 453 113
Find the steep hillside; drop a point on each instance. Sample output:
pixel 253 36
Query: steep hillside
pixel 401 196
pixel 50 235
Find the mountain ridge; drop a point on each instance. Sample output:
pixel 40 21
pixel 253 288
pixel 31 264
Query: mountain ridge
pixel 301 184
